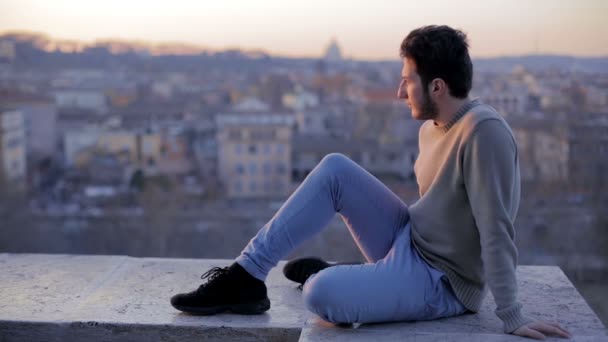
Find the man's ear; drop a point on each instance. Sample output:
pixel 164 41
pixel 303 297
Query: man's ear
pixel 437 87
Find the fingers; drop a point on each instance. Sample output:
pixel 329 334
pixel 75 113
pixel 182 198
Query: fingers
pixel 550 328
pixel 527 332
pixel 555 324
pixel 539 329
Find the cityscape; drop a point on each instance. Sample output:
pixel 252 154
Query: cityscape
pixel 173 151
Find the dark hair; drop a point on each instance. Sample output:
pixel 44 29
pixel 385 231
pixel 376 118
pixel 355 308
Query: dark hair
pixel 441 52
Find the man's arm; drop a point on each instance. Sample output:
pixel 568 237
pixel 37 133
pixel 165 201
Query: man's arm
pixel 491 174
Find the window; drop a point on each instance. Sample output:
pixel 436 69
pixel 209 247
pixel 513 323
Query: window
pixel 238 148
pixel 234 134
pixel 281 168
pixel 148 147
pixel 267 167
pixel 280 148
pixel 253 168
pixel 252 149
pixel 263 134
pixel 238 187
pixel 266 149
pixel 252 186
pixel 13 142
pixel 240 169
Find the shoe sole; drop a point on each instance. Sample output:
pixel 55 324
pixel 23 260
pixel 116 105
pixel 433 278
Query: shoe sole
pixel 297 275
pixel 301 273
pixel 252 308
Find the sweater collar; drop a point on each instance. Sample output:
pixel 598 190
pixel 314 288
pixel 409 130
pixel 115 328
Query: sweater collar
pixel 465 108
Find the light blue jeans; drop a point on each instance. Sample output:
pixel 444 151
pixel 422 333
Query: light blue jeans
pixel 396 283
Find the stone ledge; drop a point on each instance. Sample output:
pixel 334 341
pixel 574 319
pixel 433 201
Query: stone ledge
pixel 321 332
pixel 116 298
pixel 47 297
pixel 545 292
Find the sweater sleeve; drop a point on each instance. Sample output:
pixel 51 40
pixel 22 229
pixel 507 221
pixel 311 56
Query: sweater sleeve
pixel 491 177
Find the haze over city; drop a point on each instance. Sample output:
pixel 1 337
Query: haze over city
pixel 366 30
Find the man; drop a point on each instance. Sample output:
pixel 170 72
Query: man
pixel 425 262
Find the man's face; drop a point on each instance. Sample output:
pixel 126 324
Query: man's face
pixel 415 94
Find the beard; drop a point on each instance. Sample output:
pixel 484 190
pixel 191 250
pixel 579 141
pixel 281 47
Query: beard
pixel 428 110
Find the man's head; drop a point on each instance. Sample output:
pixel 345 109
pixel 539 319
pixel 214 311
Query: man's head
pixel 436 67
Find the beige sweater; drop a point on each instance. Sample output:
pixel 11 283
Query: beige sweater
pixel 468 175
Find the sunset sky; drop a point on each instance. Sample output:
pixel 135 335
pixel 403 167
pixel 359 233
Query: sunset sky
pixel 365 29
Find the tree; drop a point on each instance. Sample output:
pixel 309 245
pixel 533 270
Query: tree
pixel 137 181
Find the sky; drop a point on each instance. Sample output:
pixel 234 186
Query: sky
pixel 364 29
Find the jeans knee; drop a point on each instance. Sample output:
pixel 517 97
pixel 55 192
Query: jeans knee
pixel 319 295
pixel 315 291
pixel 314 294
pixel 334 161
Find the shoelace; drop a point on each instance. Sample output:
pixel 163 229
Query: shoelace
pixel 212 275
pixel 306 276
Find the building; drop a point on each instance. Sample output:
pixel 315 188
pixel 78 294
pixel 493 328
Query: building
pixel 13 146
pixel 308 150
pixel 162 89
pixel 597 98
pixel 251 105
pixel 508 98
pixel 543 147
pixel 92 99
pixel 300 100
pixel 508 103
pixel 313 121
pixel 394 162
pixel 571 150
pixel 273 87
pixel 543 154
pixel 333 53
pixel 8 52
pixel 391 162
pixel 588 153
pixel 175 151
pixel 254 158
pixel 138 150
pixel 205 152
pixel 75 142
pixel 41 130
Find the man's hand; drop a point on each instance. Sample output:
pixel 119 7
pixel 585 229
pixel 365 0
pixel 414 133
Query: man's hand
pixel 539 329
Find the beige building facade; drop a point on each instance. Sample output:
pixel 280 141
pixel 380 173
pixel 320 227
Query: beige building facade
pixel 254 157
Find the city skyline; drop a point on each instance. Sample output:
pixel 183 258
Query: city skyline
pixel 363 30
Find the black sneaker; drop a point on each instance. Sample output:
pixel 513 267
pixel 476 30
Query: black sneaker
pixel 299 270
pixel 227 289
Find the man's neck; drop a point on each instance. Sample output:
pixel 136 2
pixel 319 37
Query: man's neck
pixel 448 109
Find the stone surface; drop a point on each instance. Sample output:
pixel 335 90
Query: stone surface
pixel 319 331
pixel 116 298
pixel 83 298
pixel 42 287
pixel 545 292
